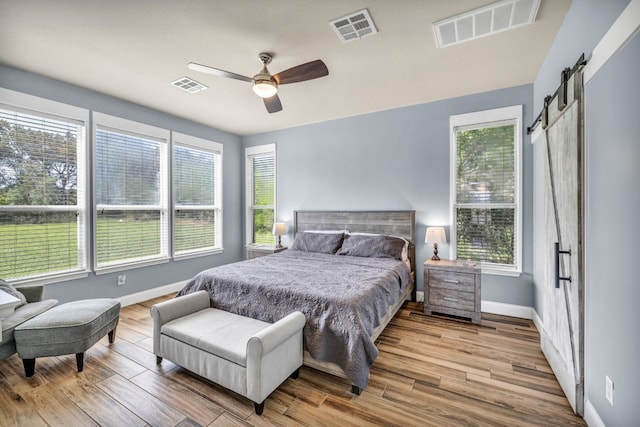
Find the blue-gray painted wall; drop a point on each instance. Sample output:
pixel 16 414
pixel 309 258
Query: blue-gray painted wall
pixel 395 159
pixel 144 278
pixel 612 236
pixel 612 155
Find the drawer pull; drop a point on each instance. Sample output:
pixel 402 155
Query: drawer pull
pixel 451 281
pixel 450 299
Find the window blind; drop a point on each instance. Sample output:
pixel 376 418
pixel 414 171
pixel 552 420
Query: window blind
pixel 42 175
pixel 485 208
pixel 130 197
pixel 262 175
pixel 197 224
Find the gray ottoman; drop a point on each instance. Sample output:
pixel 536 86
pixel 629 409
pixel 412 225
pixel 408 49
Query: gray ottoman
pixel 66 329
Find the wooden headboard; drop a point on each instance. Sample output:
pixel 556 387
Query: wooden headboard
pixel 395 223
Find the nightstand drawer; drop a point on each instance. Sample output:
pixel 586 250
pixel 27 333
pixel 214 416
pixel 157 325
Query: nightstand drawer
pixel 455 281
pixel 452 299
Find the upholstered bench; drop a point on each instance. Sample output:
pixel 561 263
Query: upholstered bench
pixel 66 329
pixel 245 355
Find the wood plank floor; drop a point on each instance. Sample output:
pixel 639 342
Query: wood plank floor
pixel 430 371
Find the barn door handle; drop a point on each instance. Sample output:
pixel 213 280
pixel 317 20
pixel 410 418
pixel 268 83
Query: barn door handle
pixel 558 253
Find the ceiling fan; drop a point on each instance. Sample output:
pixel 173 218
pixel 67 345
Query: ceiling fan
pixel 266 85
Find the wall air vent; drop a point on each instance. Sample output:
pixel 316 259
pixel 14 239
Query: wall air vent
pixel 189 85
pixel 354 26
pixel 494 18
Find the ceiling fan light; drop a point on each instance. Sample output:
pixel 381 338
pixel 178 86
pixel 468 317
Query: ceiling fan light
pixel 265 88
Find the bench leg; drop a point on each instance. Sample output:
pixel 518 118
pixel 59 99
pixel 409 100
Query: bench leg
pixel 295 374
pixel 29 367
pixel 80 361
pixel 112 336
pixel 356 390
pixel 259 407
pixel 158 360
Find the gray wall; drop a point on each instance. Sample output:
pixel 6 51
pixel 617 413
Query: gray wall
pixel 395 159
pixel 612 107
pixel 612 236
pixel 144 278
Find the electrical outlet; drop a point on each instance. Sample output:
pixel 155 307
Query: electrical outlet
pixel 122 279
pixel 609 390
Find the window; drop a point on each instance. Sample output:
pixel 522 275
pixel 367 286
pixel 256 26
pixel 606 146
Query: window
pixel 485 189
pixel 42 188
pixel 260 166
pixel 131 175
pixel 197 184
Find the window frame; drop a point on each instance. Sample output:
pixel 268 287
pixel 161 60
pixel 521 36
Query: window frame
pixel 140 130
pixel 216 148
pixel 37 106
pixel 251 152
pixel 476 120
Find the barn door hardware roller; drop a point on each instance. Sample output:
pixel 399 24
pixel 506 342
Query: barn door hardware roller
pixel 558 253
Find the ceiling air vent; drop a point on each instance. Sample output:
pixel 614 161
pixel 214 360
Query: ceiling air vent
pixel 494 18
pixel 354 26
pixel 189 85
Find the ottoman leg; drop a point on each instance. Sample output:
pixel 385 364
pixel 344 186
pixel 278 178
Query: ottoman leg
pixel 80 361
pixel 259 407
pixel 112 336
pixel 29 367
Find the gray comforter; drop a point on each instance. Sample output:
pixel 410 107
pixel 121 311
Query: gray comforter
pixel 343 298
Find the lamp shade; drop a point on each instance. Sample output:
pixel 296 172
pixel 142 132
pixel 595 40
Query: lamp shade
pixel 435 235
pixel 279 229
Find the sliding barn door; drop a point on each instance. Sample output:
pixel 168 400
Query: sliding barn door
pixel 563 318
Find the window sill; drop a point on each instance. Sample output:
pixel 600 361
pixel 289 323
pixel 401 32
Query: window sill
pixel 499 272
pixel 130 266
pixel 51 278
pixel 198 254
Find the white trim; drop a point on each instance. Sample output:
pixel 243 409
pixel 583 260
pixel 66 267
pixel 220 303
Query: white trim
pixel 216 148
pixel 623 29
pixel 129 127
pixel 477 119
pixel 45 106
pixel 591 416
pixel 419 296
pixel 193 141
pixel 538 321
pixel 248 187
pixel 512 310
pixel 148 132
pixel 37 106
pixel 150 293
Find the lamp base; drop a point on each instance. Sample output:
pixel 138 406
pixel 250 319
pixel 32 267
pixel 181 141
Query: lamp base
pixel 279 245
pixel 435 256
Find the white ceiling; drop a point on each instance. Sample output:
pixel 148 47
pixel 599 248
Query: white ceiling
pixel 134 49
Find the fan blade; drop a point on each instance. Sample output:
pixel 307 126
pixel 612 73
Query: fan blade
pixel 216 72
pixel 310 70
pixel 273 104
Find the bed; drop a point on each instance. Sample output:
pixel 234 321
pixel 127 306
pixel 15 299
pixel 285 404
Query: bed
pixel 348 287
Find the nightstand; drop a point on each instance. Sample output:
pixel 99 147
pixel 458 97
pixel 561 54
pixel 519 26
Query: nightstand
pixel 255 251
pixel 452 287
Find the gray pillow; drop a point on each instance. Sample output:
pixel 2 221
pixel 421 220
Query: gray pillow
pixel 8 288
pixel 325 243
pixel 372 246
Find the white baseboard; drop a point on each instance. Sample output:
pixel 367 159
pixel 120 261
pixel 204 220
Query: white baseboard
pixel 513 310
pixel 420 296
pixel 591 415
pixel 150 293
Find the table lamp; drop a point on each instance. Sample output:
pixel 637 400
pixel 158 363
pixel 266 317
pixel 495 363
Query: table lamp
pixel 279 229
pixel 435 235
